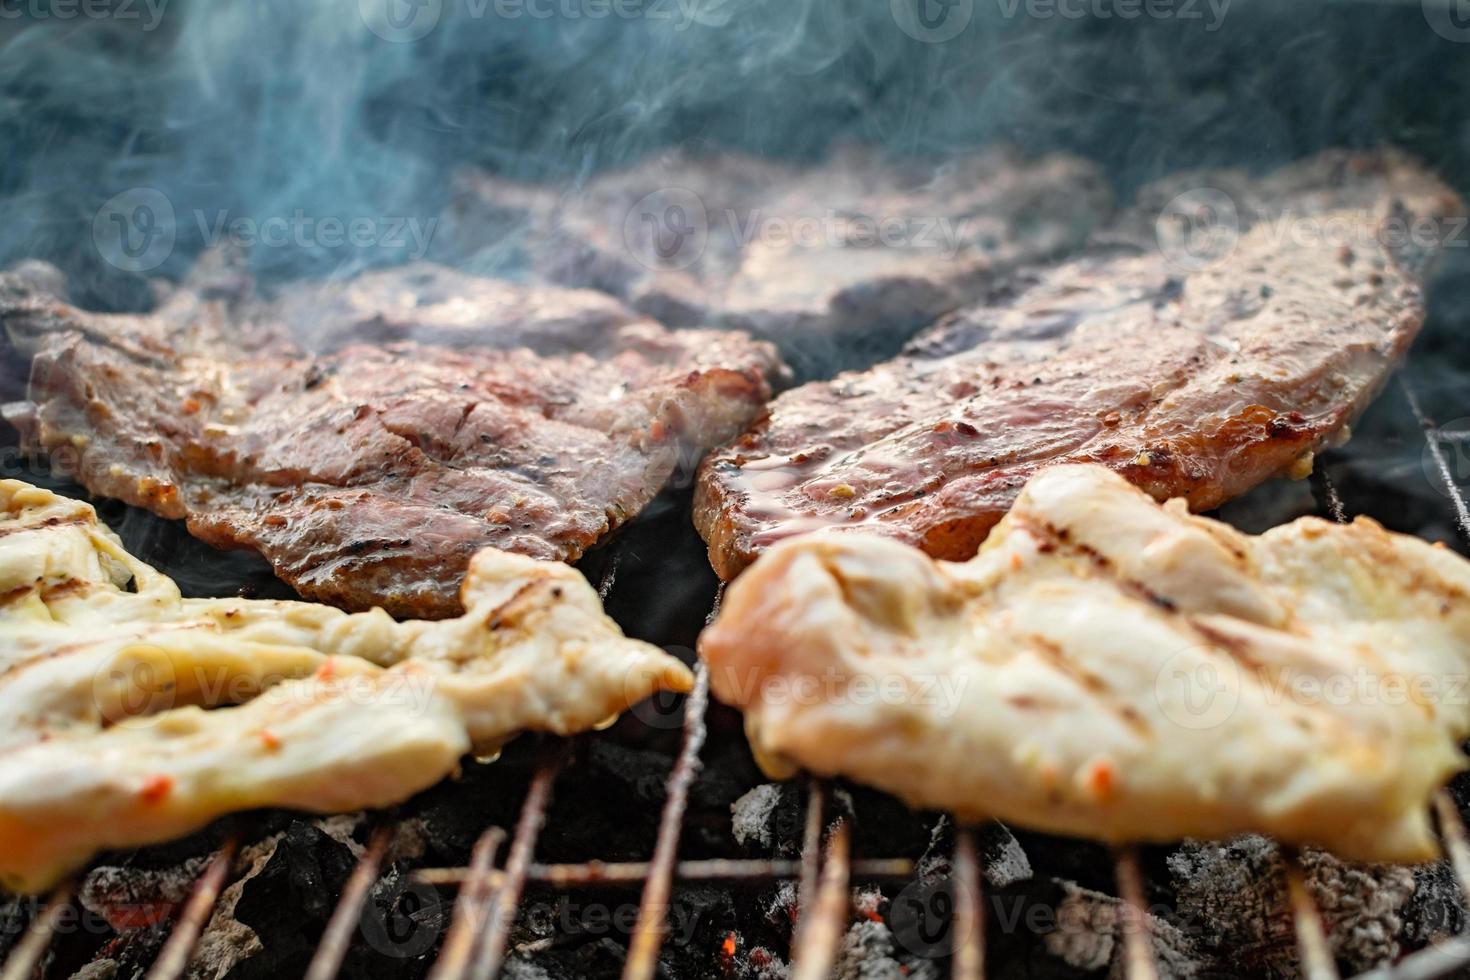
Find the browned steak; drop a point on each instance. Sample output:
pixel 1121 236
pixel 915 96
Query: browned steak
pixel 837 263
pixel 370 474
pixel 1196 377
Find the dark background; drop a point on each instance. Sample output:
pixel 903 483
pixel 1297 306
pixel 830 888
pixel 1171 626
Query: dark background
pixel 262 107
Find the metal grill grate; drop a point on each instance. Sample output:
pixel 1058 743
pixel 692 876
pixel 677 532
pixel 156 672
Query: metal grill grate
pixel 489 898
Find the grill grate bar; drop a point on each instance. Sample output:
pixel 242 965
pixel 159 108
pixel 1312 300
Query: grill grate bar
pixel 969 910
pixel 1452 833
pixel 1311 934
pixel 648 934
pixel 811 849
pixel 819 934
pixel 508 897
pixel 1436 452
pixel 471 910
pixel 23 963
pixel 1137 947
pixel 327 961
pixel 174 958
pixel 598 874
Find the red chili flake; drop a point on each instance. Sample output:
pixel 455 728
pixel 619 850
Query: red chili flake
pixel 156 789
pixel 270 739
pixel 191 405
pixel 728 948
pixel 1101 779
pixel 327 669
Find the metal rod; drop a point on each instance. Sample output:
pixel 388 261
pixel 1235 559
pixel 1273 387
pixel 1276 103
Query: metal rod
pixel 969 917
pixel 1456 846
pixel 1311 935
pixel 507 901
pixel 648 934
pixel 1436 452
pixel 811 850
pixel 609 576
pixel 1137 946
pixel 471 909
pixel 598 874
pixel 822 926
pixel 174 958
pixel 24 961
pixel 327 961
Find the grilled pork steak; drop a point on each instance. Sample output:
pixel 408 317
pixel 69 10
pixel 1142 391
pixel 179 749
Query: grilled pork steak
pixel 837 263
pixel 1193 379
pixel 371 474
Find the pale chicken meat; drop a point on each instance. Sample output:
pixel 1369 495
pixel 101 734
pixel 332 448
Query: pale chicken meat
pixel 1113 668
pixel 106 675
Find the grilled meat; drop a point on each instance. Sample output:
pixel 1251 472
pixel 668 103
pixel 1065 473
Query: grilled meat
pixel 1112 668
pixel 1193 380
pixel 105 675
pixel 369 475
pixel 837 263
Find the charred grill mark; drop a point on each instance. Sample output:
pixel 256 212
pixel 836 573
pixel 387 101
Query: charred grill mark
pixel 1052 653
pixel 74 519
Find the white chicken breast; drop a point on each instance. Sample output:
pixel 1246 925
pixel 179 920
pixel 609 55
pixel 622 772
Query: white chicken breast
pixel 1111 668
pixel 106 674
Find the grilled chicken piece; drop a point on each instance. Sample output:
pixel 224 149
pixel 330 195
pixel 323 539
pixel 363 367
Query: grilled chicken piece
pixel 106 675
pixel 1112 668
pixel 1193 382
pixel 537 421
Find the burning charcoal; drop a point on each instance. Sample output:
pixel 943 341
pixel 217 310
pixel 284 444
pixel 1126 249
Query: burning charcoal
pixel 133 898
pixel 127 957
pixel 868 953
pixel 520 968
pixel 1236 893
pixel 287 902
pixel 1002 859
pixel 770 819
pixel 780 911
pixel 754 816
pixel 762 964
pixel 1437 910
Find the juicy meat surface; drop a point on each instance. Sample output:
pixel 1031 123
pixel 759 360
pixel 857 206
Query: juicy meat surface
pixel 838 263
pixel 370 474
pixel 1194 379
pixel 133 716
pixel 1115 669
